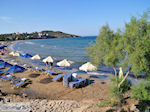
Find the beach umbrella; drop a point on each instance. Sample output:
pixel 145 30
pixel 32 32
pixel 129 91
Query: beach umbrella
pixel 15 69
pixel 36 57
pixel 64 63
pixel 88 67
pixel 12 53
pixel 16 54
pixel 48 59
pixel 5 64
pixel 120 73
pixel 26 56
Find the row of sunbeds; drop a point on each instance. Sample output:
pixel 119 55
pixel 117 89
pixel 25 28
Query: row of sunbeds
pixel 15 82
pixel 68 79
pixel 7 76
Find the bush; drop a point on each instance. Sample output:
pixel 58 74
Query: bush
pixel 142 93
pixel 117 93
pixel 123 88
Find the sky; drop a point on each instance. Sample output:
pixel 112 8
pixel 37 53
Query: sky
pixel 80 17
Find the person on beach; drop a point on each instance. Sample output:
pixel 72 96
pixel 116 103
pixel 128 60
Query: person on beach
pixel 51 65
pixel 47 64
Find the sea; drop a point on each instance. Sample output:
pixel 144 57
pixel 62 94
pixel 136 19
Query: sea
pixel 73 49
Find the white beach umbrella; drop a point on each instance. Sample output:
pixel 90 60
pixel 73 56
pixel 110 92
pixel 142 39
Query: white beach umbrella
pixel 12 53
pixel 36 57
pixel 48 59
pixel 120 73
pixel 16 54
pixel 88 67
pixel 64 63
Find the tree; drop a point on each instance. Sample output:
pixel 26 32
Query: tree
pixel 104 51
pixel 137 46
pixel 129 48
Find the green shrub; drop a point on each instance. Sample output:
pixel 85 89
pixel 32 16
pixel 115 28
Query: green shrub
pixel 117 93
pixel 142 93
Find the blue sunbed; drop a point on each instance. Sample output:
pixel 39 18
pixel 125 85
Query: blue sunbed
pixel 7 77
pixel 66 79
pixel 20 83
pixel 58 77
pixel 37 68
pixel 3 75
pixel 15 80
pixel 50 72
pixel 77 83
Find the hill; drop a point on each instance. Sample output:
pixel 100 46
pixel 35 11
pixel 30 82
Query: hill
pixel 46 34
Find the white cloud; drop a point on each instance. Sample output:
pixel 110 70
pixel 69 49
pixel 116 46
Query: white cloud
pixel 5 19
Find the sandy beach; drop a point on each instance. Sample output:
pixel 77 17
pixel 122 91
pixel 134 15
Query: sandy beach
pixel 44 95
pixel 43 89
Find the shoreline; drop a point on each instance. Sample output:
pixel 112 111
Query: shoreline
pixel 45 95
pixel 54 92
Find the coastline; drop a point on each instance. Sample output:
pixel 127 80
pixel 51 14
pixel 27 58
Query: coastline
pixel 53 92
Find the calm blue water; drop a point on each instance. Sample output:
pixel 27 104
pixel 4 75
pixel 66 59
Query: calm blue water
pixel 64 48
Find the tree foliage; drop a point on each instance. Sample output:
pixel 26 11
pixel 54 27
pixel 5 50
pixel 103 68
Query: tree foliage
pixel 105 50
pixel 129 48
pixel 137 44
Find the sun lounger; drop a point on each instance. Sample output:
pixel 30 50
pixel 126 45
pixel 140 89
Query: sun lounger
pixel 27 66
pixel 16 80
pixel 66 79
pixel 49 72
pixel 58 77
pixel 77 83
pixel 37 68
pixel 7 77
pixel 19 83
pixel 66 68
pixel 3 75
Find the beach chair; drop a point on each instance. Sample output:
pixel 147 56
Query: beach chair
pixel 66 79
pixel 37 69
pixel 65 68
pixel 77 83
pixel 3 75
pixel 7 78
pixel 27 66
pixel 16 80
pixel 19 83
pixel 58 77
pixel 50 72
